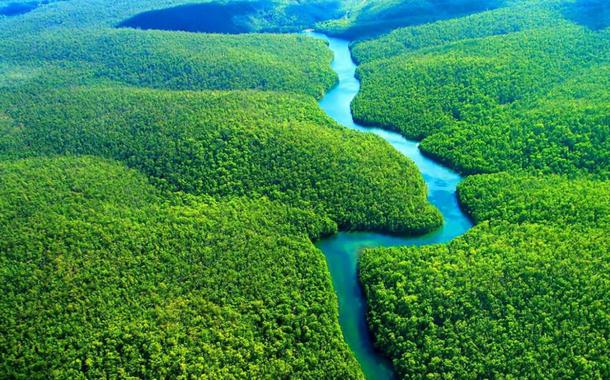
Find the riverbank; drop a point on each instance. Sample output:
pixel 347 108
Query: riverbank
pixel 342 250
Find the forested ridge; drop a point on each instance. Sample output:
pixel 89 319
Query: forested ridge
pixel 160 192
pixel 506 300
pixel 160 189
pixel 523 15
pixel 368 18
pixel 547 199
pixel 520 97
pixel 230 144
pixel 490 93
pixel 178 61
pixel 525 293
pixel 103 275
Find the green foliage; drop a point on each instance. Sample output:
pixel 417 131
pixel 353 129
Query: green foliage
pixel 230 144
pixel 547 199
pixel 180 61
pixel 522 16
pixel 525 293
pixel 274 15
pixel 364 18
pixel 511 95
pixel 504 301
pixel 199 264
pixel 103 276
pixel 566 131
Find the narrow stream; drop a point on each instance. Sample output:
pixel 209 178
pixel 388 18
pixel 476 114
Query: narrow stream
pixel 342 249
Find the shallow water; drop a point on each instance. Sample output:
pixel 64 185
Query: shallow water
pixel 342 250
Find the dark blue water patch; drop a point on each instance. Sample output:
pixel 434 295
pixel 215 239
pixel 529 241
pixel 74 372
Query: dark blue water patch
pixel 14 9
pixel 594 14
pixel 231 18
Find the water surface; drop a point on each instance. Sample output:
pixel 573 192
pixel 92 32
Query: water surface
pixel 342 250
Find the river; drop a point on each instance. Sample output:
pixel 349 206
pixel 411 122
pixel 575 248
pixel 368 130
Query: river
pixel 342 250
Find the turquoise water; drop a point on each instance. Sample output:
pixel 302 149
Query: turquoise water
pixel 342 250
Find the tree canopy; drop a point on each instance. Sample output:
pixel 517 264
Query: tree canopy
pixel 103 275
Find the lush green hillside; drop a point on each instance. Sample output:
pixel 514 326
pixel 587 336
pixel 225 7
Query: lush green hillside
pixel 365 18
pixel 229 143
pixel 102 276
pixel 79 42
pixel 197 261
pixel 252 16
pixel 565 131
pixel 524 294
pixel 523 15
pixel 160 189
pixel 490 93
pixel 546 199
pixel 520 301
pixel 167 60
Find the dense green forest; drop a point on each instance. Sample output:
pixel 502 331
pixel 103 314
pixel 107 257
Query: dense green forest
pixel 348 18
pixel 104 276
pixel 367 18
pixel 160 189
pixel 160 192
pixel 252 16
pixel 522 92
pixel 523 294
pixel 491 93
pixel 179 61
pixel 504 301
pixel 523 15
pixel 546 199
pixel 229 144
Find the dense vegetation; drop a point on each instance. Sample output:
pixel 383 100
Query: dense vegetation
pixel 247 16
pixel 103 276
pixel 179 61
pixel 230 144
pixel 159 189
pixel 546 199
pixel 365 18
pixel 521 90
pixel 506 300
pixel 348 18
pixel 519 17
pixel 524 294
pixel 489 93
pixel 238 16
pixel 159 192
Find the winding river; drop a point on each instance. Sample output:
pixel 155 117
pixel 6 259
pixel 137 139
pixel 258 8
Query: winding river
pixel 342 249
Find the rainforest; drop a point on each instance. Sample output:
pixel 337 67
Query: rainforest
pixel 320 189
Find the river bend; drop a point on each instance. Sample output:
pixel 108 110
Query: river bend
pixel 342 250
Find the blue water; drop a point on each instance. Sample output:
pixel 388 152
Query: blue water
pixel 342 250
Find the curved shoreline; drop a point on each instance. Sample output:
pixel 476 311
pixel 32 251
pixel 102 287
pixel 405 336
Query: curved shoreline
pixel 342 250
